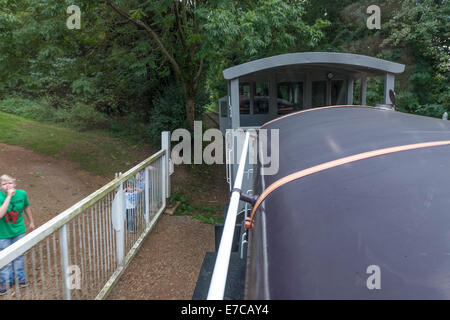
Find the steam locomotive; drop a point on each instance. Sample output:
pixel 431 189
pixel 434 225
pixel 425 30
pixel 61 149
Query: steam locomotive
pixel 359 209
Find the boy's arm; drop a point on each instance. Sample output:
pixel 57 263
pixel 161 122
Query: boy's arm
pixel 27 211
pixel 5 205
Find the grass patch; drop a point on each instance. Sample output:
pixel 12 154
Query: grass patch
pixel 79 117
pixel 96 152
pixel 204 213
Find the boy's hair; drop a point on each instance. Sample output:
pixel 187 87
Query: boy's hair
pixel 5 177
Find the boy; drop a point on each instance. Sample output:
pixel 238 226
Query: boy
pixel 131 201
pixel 13 203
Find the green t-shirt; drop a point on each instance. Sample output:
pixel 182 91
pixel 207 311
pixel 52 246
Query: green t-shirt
pixel 12 224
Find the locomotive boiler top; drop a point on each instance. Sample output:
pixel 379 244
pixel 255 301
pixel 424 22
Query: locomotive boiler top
pixel 323 235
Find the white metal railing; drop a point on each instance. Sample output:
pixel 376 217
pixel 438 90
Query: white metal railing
pixel 228 156
pixel 219 276
pixel 81 253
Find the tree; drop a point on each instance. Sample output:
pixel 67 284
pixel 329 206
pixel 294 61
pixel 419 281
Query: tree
pixel 422 28
pixel 240 31
pixel 192 33
pixel 111 64
pixel 181 52
pixel 413 32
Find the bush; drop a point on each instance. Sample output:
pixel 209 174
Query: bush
pixel 81 116
pixel 169 111
pixel 431 110
pixel 84 117
pixel 407 101
pixel 37 110
pixel 131 128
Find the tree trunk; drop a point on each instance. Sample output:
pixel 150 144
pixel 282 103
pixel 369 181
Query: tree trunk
pixel 190 105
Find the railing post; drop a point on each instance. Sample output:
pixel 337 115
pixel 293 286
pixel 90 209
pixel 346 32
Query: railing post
pixel 229 157
pixel 147 195
pixel 118 220
pixel 164 179
pixel 64 247
pixel 165 145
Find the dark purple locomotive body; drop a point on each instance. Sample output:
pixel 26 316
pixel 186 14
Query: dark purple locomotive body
pixel 377 228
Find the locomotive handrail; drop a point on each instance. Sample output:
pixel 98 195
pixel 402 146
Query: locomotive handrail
pixel 219 276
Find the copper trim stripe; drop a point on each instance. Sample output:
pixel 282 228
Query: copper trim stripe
pixel 312 109
pixel 335 163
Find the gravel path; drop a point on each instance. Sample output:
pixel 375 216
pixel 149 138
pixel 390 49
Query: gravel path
pixel 168 263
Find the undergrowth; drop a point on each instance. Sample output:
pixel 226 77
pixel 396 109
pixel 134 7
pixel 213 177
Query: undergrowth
pixel 203 213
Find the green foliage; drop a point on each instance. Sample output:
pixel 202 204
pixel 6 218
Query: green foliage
pixel 80 116
pixel 28 109
pixel 113 74
pixel 431 110
pixel 265 28
pixel 106 64
pixel 237 31
pixel 407 101
pixel 415 33
pixel 203 213
pixel 84 117
pixel 422 30
pixel 169 112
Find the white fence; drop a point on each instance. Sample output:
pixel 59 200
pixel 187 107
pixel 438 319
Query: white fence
pixel 81 253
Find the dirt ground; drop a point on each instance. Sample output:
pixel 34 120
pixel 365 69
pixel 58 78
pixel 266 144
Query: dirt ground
pixel 168 263
pixel 52 185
